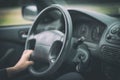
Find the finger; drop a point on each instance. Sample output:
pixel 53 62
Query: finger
pixel 24 51
pixel 29 52
pixel 30 63
pixel 26 54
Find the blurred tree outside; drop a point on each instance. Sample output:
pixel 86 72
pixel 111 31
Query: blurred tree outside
pixel 10 13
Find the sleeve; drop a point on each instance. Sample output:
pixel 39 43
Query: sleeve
pixel 3 74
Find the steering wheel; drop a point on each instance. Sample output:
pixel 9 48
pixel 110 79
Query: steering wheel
pixel 50 45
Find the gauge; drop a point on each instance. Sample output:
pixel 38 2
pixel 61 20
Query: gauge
pixel 83 30
pixel 97 33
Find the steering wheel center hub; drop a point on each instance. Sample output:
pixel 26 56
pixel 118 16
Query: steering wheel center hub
pixel 45 42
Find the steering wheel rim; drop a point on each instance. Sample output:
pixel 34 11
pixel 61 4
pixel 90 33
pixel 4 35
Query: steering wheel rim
pixel 66 40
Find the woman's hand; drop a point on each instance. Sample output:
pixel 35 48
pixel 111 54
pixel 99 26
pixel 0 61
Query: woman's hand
pixel 22 64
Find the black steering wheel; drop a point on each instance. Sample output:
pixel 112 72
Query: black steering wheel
pixel 50 38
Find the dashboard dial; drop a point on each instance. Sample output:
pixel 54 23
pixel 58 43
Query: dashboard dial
pixel 97 33
pixel 82 30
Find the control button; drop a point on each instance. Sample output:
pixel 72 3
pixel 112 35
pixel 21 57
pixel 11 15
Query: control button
pixel 109 37
pixel 115 30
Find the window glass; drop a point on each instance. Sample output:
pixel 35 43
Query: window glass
pixel 10 14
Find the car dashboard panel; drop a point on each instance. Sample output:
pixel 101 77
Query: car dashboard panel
pixel 88 27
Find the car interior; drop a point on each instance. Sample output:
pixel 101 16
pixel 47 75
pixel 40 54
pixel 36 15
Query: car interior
pixel 65 35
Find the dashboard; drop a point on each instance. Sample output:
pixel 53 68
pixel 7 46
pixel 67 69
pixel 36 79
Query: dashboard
pixel 92 31
pixel 87 27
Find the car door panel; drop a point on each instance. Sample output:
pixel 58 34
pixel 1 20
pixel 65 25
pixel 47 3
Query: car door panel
pixel 12 44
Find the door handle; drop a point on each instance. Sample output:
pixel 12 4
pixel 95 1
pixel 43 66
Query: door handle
pixel 24 36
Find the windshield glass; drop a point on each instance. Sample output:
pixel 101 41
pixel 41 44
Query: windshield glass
pixel 110 7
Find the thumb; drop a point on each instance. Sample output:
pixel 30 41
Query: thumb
pixel 30 63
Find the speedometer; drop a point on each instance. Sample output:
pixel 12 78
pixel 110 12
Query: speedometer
pixel 97 32
pixel 82 30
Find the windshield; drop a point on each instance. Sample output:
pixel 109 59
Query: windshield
pixel 110 7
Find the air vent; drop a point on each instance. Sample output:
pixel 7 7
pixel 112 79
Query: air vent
pixel 114 34
pixel 111 54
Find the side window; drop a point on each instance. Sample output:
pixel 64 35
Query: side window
pixel 10 13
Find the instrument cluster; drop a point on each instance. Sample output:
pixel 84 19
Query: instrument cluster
pixel 92 31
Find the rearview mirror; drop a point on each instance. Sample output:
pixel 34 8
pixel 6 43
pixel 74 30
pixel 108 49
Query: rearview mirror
pixel 29 12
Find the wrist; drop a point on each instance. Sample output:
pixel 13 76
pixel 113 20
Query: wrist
pixel 11 71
